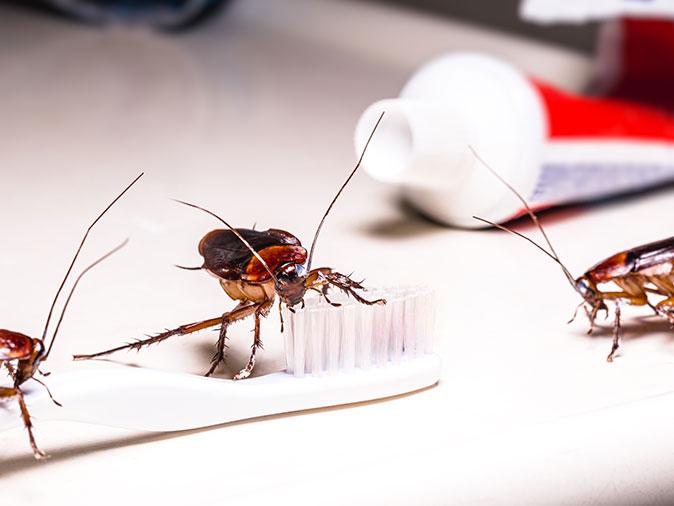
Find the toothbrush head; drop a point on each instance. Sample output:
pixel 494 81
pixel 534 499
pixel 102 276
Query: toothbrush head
pixel 341 335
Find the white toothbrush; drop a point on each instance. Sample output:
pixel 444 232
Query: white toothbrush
pixel 335 355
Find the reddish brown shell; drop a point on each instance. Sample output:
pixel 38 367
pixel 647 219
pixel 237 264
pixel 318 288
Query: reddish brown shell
pixel 228 258
pixel 14 345
pixel 275 256
pixel 611 268
pixel 633 261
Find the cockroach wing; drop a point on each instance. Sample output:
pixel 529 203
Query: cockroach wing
pixel 14 345
pixel 274 256
pixel 633 260
pixel 227 257
pixel 653 254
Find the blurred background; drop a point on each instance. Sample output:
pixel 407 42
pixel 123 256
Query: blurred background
pixel 187 13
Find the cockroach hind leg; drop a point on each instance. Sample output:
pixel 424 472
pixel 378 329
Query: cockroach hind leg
pixel 136 345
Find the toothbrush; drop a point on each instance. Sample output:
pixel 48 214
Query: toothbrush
pixel 334 356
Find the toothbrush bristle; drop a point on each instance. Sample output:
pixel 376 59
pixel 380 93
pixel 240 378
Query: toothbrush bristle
pixel 323 339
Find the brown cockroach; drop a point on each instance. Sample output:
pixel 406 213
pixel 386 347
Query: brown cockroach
pixel 22 355
pixel 253 267
pixel 637 272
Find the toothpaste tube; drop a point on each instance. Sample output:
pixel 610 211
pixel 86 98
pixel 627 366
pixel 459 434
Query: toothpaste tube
pixel 580 11
pixel 554 147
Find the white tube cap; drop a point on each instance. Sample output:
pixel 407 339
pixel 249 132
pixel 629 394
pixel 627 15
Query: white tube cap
pixel 423 144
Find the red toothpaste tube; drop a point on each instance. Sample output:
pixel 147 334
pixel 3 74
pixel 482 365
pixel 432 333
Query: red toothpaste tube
pixel 553 147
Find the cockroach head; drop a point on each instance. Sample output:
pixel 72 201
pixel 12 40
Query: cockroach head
pixel 38 354
pixel 39 350
pixel 588 290
pixel 290 283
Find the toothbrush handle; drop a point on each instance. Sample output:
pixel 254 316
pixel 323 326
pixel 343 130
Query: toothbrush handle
pixel 144 399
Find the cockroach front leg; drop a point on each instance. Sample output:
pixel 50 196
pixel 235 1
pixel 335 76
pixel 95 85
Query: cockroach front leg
pixel 243 310
pixel 349 286
pixel 261 311
pixel 8 393
pixel 592 314
pixel 323 292
pixel 616 333
pixel 137 345
pixel 12 373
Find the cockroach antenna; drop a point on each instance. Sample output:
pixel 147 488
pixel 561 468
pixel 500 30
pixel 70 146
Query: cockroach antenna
pixel 552 253
pixel 353 172
pixel 236 233
pixel 72 291
pixel 77 253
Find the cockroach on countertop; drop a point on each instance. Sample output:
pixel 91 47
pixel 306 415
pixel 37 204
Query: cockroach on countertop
pixel 22 355
pixel 252 268
pixel 639 272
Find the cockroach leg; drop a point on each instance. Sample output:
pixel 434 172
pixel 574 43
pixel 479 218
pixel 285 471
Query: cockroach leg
pixel 665 308
pixel 261 311
pixel 238 313
pixel 220 349
pixel 48 392
pixel 10 370
pixel 12 374
pixel 280 313
pixel 592 314
pixel 39 454
pixel 8 393
pixel 575 313
pixel 616 333
pixel 324 292
pixel 349 286
pixel 137 345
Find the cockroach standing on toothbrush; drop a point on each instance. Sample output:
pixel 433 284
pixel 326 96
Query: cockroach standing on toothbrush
pixel 252 268
pixel 638 272
pixel 22 355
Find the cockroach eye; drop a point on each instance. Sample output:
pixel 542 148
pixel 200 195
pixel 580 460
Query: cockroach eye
pixel 290 273
pixel 584 288
pixel 40 349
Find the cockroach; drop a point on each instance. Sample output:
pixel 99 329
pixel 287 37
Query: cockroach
pixel 253 267
pixel 22 355
pixel 638 272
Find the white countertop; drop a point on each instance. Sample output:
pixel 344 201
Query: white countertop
pixel 252 115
